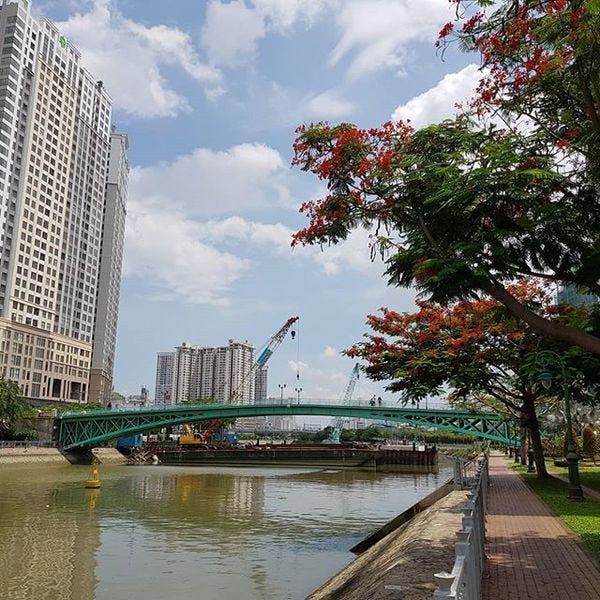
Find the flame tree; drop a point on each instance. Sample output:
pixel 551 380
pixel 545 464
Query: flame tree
pixel 478 353
pixel 466 207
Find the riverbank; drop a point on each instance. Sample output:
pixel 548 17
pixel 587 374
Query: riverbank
pixel 31 455
pixel 36 455
pixel 402 564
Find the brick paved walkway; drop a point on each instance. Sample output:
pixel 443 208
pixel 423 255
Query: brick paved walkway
pixel 531 553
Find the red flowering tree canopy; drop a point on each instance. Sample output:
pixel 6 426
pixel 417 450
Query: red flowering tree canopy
pixel 541 59
pixel 465 207
pixel 474 349
pixel 455 209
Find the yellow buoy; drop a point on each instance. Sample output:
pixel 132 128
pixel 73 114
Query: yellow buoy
pixel 93 482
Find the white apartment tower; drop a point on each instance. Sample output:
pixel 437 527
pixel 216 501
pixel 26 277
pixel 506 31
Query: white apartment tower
pixel 222 374
pixel 54 153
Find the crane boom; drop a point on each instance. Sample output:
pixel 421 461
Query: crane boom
pixel 351 384
pixel 336 434
pixel 267 351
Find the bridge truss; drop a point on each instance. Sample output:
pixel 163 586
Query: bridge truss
pixel 92 428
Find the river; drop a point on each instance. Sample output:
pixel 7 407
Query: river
pixel 160 533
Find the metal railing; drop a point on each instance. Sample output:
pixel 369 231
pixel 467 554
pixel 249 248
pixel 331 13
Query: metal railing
pixel 26 444
pixel 465 472
pixel 464 582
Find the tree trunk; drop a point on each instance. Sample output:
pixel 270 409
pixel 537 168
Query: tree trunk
pixel 547 329
pixel 523 447
pixel 536 438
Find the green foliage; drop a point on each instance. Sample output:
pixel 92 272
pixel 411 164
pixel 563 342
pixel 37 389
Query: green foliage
pixel 589 442
pixel 12 407
pixel 582 517
pixel 465 207
pixel 19 435
pixel 67 407
pixel 323 434
pixel 556 446
pixel 589 475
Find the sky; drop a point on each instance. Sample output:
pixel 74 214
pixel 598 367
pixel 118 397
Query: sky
pixel 210 93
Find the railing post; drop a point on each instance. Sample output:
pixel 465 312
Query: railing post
pixel 464 582
pixel 444 583
pixel 458 481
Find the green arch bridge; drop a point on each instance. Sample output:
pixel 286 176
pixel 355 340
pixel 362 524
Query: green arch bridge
pixel 90 428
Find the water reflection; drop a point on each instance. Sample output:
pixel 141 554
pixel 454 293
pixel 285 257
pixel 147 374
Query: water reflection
pixel 164 532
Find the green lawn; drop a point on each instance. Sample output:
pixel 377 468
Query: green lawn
pixel 588 475
pixel 582 517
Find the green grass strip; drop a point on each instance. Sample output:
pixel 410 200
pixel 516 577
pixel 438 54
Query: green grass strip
pixel 582 517
pixel 588 475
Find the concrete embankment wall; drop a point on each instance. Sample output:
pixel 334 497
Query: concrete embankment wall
pixel 31 455
pixel 402 564
pixel 34 455
pixel 403 517
pixel 109 456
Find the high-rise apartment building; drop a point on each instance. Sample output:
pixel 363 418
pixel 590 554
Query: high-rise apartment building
pixel 222 374
pixel 570 294
pixel 163 390
pixel 55 144
pixel 111 262
pixel 260 384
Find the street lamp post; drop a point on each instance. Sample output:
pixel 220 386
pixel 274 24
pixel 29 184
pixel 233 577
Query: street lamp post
pixel 281 387
pixel 298 390
pixel 544 358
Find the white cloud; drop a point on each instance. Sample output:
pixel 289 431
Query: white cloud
pixel 181 258
pixel 375 34
pixel 276 236
pixel 129 56
pixel 232 30
pixel 181 240
pixel 167 250
pixel 329 105
pixel 438 103
pixel 246 176
pixel 353 253
pixel 283 14
pixel 330 352
pixel 317 382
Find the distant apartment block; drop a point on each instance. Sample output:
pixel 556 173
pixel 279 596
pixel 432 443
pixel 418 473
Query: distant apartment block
pixel 260 384
pixel 61 216
pixel 163 389
pixel 570 294
pixel 223 374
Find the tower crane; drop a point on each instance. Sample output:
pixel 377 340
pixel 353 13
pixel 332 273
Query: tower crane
pixel 336 434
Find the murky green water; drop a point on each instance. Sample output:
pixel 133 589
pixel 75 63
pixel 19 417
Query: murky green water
pixel 161 533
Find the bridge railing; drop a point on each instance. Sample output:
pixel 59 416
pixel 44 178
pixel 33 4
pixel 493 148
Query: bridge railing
pixel 282 402
pixel 464 582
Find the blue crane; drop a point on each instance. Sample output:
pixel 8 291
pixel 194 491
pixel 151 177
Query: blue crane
pixel 265 354
pixel 336 434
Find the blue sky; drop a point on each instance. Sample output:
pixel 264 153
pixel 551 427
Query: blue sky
pixel 210 93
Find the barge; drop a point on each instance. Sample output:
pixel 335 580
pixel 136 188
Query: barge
pixel 326 455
